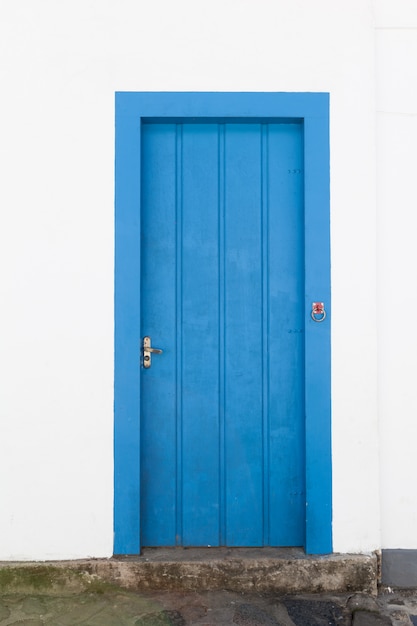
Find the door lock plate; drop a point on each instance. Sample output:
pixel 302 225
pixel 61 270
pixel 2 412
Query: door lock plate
pixel 147 352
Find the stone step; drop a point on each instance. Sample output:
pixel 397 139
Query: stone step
pixel 284 571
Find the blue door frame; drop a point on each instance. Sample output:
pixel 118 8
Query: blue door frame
pixel 313 110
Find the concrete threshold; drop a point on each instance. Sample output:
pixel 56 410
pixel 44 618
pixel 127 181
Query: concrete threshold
pixel 281 570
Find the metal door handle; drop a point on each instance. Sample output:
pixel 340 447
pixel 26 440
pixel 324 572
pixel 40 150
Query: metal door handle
pixel 318 312
pixel 147 351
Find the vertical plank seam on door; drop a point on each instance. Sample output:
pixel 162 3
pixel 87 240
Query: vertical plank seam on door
pixel 302 227
pixel 265 328
pixel 178 333
pixel 222 333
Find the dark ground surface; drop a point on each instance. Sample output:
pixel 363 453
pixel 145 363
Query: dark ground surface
pixel 116 607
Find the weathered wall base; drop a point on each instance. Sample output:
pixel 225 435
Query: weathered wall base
pixel 281 571
pixel 399 568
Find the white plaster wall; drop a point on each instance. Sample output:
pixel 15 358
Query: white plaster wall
pixel 396 45
pixel 61 63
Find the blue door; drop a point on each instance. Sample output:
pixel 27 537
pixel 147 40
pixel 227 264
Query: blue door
pixel 222 294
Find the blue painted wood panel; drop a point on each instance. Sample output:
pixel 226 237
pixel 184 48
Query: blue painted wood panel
pixel 199 347
pixel 222 440
pixel 159 400
pixel 285 332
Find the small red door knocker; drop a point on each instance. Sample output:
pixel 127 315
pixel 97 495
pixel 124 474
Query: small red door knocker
pixel 318 312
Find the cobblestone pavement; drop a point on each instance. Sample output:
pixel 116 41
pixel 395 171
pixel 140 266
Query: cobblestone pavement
pixel 115 607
